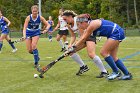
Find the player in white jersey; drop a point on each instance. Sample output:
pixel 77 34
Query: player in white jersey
pixel 70 17
pixel 63 31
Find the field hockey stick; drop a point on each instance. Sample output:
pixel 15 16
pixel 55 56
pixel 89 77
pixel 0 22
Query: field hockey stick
pixel 47 67
pixel 18 40
pixel 22 39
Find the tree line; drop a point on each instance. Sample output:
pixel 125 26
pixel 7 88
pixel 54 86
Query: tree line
pixel 124 12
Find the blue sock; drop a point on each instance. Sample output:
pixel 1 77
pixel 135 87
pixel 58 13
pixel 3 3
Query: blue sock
pixel 1 44
pixel 36 56
pixel 111 63
pixel 121 66
pixel 50 36
pixel 11 44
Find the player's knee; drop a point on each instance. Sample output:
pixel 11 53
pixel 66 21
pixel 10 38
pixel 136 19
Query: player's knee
pixel 30 51
pixel 91 55
pixel 58 39
pixel 34 46
pixel 103 53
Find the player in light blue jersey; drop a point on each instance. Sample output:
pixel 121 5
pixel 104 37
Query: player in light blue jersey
pixel 50 21
pixel 31 32
pixel 5 31
pixel 114 34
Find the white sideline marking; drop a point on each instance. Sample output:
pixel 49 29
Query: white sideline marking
pixel 48 57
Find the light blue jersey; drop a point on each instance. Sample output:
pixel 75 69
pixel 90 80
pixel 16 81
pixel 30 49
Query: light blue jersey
pixel 3 26
pixel 51 23
pixel 33 27
pixel 110 30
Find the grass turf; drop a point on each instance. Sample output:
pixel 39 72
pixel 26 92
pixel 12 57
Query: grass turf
pixel 16 70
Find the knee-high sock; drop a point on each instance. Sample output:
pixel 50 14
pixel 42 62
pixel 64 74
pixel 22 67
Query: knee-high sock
pixel 111 63
pixel 50 36
pixel 11 44
pixel 61 43
pixel 1 44
pixel 78 59
pixel 121 66
pixel 66 45
pixel 36 56
pixel 99 63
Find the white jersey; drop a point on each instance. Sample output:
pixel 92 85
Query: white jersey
pixel 75 28
pixel 63 23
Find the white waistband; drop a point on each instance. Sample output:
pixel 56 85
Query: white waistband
pixel 32 29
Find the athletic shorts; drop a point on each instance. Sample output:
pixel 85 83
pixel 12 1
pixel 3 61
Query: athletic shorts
pixel 5 31
pixel 30 33
pixel 63 32
pixel 117 34
pixel 92 38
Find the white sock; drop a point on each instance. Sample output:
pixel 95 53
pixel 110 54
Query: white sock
pixel 78 59
pixel 99 63
pixel 66 45
pixel 61 43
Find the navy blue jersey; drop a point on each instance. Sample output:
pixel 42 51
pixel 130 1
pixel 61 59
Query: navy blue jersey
pixel 34 24
pixel 3 24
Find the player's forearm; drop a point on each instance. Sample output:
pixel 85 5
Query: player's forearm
pixel 72 41
pixel 56 28
pixel 9 23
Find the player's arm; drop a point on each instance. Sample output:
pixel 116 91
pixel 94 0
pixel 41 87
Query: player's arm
pixel 57 26
pixel 44 27
pixel 52 23
pixel 47 25
pixel 73 36
pixel 25 26
pixel 7 21
pixel 95 24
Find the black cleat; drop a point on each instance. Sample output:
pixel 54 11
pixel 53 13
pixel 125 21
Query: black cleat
pixel 36 65
pixel 41 76
pixel 102 74
pixel 82 70
pixel 63 49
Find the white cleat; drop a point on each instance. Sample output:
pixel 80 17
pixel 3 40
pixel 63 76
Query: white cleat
pixel 50 40
pixel 14 50
pixel 0 52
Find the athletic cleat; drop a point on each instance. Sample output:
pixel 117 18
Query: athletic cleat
pixel 0 52
pixel 41 76
pixel 36 66
pixel 39 70
pixel 50 40
pixel 114 75
pixel 14 50
pixel 126 77
pixel 103 74
pixel 63 49
pixel 82 70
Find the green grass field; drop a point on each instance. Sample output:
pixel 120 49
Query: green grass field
pixel 16 70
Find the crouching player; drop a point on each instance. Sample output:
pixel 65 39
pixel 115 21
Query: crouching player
pixel 114 34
